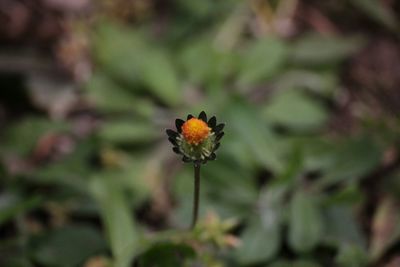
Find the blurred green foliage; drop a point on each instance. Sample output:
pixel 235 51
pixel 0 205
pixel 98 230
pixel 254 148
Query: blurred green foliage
pixel 295 185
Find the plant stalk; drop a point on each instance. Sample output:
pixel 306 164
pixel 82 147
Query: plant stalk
pixel 196 194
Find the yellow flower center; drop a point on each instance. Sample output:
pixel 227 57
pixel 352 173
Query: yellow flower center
pixel 195 131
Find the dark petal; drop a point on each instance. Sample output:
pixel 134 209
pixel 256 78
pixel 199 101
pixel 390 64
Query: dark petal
pixel 213 156
pixel 219 136
pixel 176 150
pixel 171 133
pixel 203 116
pixel 173 141
pixel 216 146
pixel 178 124
pixel 219 127
pixel 212 122
pixel 204 161
pixel 186 159
pixel 189 116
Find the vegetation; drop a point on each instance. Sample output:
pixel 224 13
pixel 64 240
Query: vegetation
pixel 308 170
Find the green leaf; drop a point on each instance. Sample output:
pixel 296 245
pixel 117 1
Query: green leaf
pixel 321 83
pixel 378 12
pixel 59 172
pixel 225 185
pixel 351 256
pixel 294 166
pixel 351 159
pixel 294 109
pixel 317 49
pixel 108 96
pixel 261 60
pixel 347 195
pixel 166 255
pixel 117 50
pixel 343 160
pixel 127 132
pixel 22 136
pixel 12 205
pixel 117 218
pixel 247 127
pixel 341 226
pixel 197 9
pixel 159 75
pixel 204 64
pixel 69 246
pixel 262 237
pixel 305 223
pixel 298 263
pixel 260 242
pixel 227 190
pixel 128 57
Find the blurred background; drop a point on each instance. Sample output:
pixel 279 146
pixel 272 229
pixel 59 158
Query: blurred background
pixel 307 174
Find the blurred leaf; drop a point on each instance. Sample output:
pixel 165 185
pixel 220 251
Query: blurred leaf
pixel 204 64
pixel 294 109
pixel 260 242
pixel 59 171
pixel 116 49
pixel 127 132
pixel 138 175
pixel 229 185
pixel 305 223
pixel 16 261
pixel 12 254
pixel 385 227
pixel 68 246
pixel 110 97
pixel 166 255
pixel 347 195
pixel 305 263
pixel 132 59
pixel 183 190
pixel 298 263
pixel 262 143
pixel 322 83
pixel 317 49
pixel 319 153
pixel 226 189
pixel 351 256
pixel 342 160
pixel 351 159
pixel 342 227
pixel 239 151
pixel 294 166
pixel 198 67
pixel 197 9
pixel 378 12
pixel 22 136
pixel 262 237
pixel 12 205
pixel 231 30
pixel 117 218
pixel 271 205
pixel 261 60
pixel 159 75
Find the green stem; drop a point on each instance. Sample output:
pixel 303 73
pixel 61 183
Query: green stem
pixel 196 194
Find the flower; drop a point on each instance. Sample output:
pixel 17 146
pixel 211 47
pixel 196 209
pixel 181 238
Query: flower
pixel 196 138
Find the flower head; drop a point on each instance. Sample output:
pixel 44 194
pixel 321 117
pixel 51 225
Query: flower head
pixel 196 138
pixel 195 131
